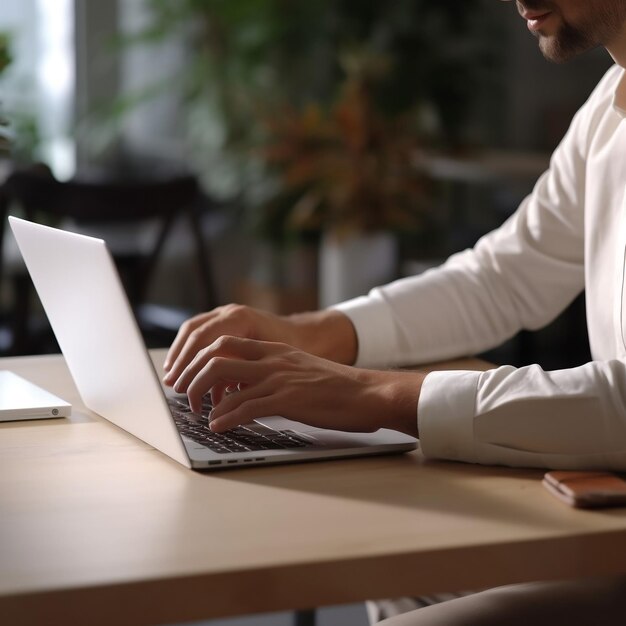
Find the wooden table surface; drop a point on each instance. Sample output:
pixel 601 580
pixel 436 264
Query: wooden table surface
pixel 97 527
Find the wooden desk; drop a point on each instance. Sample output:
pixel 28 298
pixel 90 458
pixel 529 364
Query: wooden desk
pixel 95 526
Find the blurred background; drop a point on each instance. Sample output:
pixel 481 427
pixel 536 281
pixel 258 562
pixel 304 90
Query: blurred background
pixel 277 153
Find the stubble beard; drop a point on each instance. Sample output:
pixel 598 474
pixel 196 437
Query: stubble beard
pixel 566 44
pixel 572 40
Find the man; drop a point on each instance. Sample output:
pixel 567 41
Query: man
pixel 568 235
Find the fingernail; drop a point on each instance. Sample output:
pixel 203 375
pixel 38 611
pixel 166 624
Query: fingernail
pixel 214 425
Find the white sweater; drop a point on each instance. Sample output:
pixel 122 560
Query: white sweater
pixel 568 235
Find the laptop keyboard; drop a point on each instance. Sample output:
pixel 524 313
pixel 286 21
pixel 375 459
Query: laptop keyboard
pixel 241 439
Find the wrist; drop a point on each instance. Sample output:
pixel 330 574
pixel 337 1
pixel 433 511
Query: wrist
pixel 396 396
pixel 329 334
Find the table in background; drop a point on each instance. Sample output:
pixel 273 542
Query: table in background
pixel 97 526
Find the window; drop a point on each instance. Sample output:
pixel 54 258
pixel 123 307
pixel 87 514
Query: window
pixel 37 89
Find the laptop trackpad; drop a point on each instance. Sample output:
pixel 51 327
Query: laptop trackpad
pixel 282 423
pixel 323 436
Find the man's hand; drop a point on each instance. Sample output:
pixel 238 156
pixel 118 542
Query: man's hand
pixel 278 379
pixel 329 334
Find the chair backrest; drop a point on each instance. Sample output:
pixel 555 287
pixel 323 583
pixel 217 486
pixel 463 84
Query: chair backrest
pixel 4 211
pixel 121 202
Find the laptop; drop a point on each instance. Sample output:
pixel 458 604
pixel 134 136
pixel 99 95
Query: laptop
pixel 81 292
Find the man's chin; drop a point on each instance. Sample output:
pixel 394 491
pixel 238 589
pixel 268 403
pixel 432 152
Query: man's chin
pixel 555 50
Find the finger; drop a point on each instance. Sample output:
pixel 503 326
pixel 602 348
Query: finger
pixel 238 348
pixel 231 401
pixel 244 347
pixel 245 413
pixel 220 390
pixel 219 321
pixel 182 336
pixel 194 355
pixel 220 370
pixel 196 340
pixel 226 346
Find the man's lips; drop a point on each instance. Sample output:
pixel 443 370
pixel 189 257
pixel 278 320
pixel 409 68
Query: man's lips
pixel 535 19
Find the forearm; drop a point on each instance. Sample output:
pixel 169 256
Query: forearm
pixel 519 276
pixel 329 334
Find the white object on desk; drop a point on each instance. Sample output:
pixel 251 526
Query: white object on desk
pixel 22 400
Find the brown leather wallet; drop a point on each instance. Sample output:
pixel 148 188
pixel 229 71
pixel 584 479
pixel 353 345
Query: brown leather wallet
pixel 586 489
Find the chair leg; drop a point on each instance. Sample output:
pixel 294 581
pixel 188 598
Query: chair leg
pixel 20 317
pixel 202 259
pixel 305 618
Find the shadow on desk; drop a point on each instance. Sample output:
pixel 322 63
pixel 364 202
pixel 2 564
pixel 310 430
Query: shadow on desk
pixel 418 485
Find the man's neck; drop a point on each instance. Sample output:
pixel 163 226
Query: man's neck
pixel 617 48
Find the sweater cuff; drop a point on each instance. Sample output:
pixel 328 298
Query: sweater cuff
pixel 445 415
pixel 376 348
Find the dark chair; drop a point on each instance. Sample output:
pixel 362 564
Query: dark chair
pixel 5 335
pixel 123 203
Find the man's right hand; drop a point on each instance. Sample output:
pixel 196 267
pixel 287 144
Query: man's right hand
pixel 329 334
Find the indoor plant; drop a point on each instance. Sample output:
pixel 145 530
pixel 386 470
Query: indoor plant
pixel 266 76
pixel 347 173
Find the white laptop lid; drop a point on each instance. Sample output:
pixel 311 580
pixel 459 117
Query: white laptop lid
pixel 81 292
